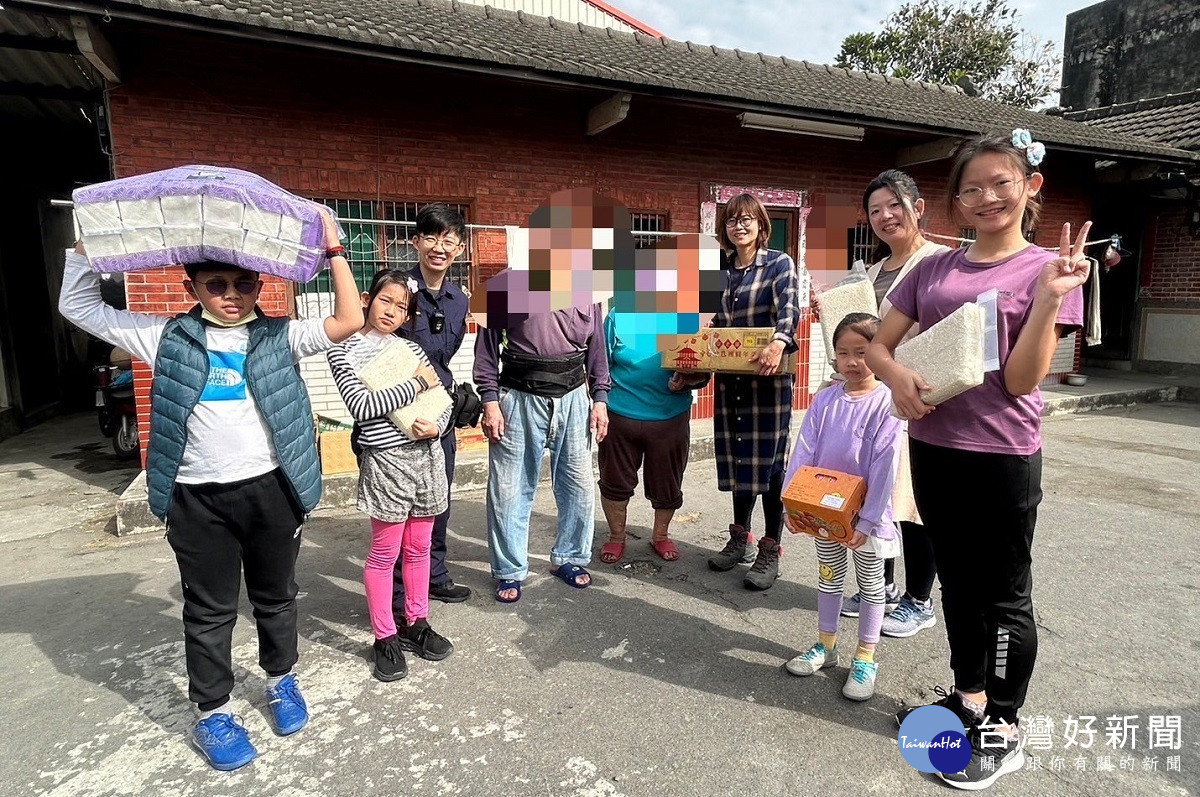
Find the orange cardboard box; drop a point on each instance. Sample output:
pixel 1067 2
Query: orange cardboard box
pixel 722 351
pixel 824 503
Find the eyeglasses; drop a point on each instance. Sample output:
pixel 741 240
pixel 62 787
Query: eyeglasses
pixel 219 285
pixel 446 243
pixel 740 221
pixel 974 197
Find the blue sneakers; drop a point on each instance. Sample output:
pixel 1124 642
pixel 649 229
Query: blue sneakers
pixel 224 742
pixel 909 618
pixel 289 712
pixel 891 599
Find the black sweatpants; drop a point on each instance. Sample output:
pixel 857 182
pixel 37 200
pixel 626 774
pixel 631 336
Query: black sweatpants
pixel 438 572
pixel 217 531
pixel 980 510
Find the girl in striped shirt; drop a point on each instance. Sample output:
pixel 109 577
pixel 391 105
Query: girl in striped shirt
pixel 402 479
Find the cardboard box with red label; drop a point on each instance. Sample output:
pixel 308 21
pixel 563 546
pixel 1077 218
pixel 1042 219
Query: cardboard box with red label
pixel 824 503
pixel 721 350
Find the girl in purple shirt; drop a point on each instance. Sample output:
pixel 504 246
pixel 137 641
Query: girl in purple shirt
pixel 976 459
pixel 849 428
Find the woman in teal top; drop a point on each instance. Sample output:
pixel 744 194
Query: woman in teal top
pixel 649 411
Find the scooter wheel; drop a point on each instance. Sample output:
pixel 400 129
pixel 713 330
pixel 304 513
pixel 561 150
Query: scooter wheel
pixel 125 438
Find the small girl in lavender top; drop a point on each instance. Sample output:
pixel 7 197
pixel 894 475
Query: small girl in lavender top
pixel 850 428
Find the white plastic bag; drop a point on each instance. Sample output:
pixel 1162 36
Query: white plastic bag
pixel 991 330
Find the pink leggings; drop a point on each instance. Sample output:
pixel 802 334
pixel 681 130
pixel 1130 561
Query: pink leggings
pixel 388 540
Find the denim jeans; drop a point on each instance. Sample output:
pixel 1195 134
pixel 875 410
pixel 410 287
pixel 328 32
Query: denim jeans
pixel 533 424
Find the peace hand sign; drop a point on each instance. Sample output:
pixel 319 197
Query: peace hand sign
pixel 1070 269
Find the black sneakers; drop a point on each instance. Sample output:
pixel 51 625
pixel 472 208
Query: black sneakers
pixel 389 660
pixel 993 755
pixel 419 638
pixel 951 700
pixel 449 592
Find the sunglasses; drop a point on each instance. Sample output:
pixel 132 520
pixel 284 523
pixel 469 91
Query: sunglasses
pixel 218 286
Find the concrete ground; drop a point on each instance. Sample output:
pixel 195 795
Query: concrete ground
pixel 661 679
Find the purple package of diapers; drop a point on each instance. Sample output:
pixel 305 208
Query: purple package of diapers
pixel 194 213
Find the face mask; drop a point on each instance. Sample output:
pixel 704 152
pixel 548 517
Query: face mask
pixel 220 322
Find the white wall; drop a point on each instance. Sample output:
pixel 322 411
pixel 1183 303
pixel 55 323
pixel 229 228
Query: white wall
pixel 1170 335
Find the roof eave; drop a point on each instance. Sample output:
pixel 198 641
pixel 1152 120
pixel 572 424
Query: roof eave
pixel 491 68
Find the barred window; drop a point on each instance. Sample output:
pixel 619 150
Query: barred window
pixel 646 229
pixel 967 233
pixel 378 236
pixel 860 244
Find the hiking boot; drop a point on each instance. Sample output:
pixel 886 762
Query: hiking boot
pixel 389 659
pixel 860 685
pixel 419 638
pixel 815 658
pixel 1000 756
pixel 449 592
pixel 909 618
pixel 765 569
pixel 289 712
pixel 738 551
pixel 891 599
pixel 951 700
pixel 224 742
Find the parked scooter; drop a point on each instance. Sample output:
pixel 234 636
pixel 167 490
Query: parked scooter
pixel 116 409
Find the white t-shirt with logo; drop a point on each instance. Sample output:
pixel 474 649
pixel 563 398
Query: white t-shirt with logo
pixel 227 438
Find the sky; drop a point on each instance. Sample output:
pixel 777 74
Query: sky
pixel 808 29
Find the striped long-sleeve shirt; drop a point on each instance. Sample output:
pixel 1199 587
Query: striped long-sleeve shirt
pixel 368 407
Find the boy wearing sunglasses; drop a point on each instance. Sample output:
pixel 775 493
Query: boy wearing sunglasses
pixel 231 468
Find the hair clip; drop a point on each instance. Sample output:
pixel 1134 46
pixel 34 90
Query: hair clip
pixel 1035 151
pixel 411 285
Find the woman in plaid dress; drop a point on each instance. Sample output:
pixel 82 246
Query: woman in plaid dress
pixel 753 413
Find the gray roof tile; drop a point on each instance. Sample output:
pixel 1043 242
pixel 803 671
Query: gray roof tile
pixel 611 59
pixel 1173 119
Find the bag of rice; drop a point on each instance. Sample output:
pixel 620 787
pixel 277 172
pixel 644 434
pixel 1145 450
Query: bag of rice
pixel 396 362
pixel 949 355
pixel 854 294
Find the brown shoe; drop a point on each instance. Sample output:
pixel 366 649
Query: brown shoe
pixel 738 551
pixel 766 567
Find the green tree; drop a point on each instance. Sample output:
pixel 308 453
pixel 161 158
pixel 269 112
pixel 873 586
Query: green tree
pixel 977 45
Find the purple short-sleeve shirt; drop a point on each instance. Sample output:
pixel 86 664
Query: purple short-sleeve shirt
pixel 987 418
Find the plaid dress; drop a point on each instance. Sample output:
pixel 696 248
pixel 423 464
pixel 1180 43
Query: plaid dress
pixel 753 414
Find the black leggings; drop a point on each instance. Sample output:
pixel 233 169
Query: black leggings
pixel 980 511
pixel 743 508
pixel 919 566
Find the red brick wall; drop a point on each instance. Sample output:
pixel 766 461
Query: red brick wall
pixel 1171 267
pixel 340 127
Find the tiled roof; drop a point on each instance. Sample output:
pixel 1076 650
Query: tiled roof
pixel 1173 119
pixel 461 33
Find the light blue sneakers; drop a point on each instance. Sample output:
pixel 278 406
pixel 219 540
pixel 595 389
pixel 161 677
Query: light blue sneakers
pixel 224 742
pixel 860 685
pixel 909 618
pixel 814 659
pixel 289 712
